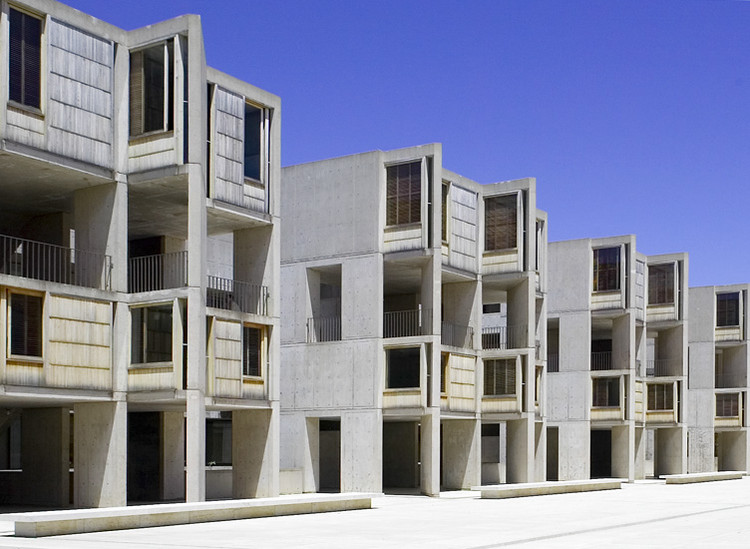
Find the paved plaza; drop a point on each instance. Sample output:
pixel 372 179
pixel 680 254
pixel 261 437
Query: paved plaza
pixel 643 514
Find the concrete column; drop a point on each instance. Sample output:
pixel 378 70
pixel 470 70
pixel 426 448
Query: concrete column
pixel 623 452
pixel 430 453
pixel 461 454
pixel 255 463
pixel 173 455
pixel 100 455
pixel 362 451
pixel 520 450
pixel 701 458
pixel 540 451
pixel 640 452
pixel 669 451
pixel 195 448
pixel 45 438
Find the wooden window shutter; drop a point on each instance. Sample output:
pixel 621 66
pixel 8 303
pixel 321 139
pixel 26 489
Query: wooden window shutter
pixel 136 93
pixel 25 59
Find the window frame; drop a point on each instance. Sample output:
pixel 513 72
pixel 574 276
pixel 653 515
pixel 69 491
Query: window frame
pixel 144 339
pixel 610 382
pixel 262 350
pixel 514 223
pixel 660 394
pixel 9 326
pixel 445 224
pixel 38 110
pixel 264 152
pixel 387 369
pixel 508 378
pixel 666 281
pixel 723 320
pixel 602 272
pixel 169 92
pixel 409 197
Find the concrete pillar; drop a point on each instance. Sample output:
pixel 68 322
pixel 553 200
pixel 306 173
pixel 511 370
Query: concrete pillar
pixel 669 451
pixel 639 452
pixel 540 451
pixel 430 453
pixel 701 452
pixel 461 454
pixel 173 455
pixel 100 455
pixel 255 463
pixel 195 448
pixel 311 454
pixel 362 451
pixel 623 452
pixel 45 453
pixel 520 450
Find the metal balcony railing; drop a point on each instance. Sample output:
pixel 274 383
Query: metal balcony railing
pixel 456 335
pixel 323 328
pixel 234 295
pixel 663 367
pixel 503 337
pixel 157 272
pixel 729 381
pixel 52 263
pixel 601 360
pixel 553 363
pixel 728 405
pixel 416 322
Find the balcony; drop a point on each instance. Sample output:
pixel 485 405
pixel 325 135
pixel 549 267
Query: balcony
pixel 323 328
pixel 601 360
pixel 456 335
pixel 663 367
pixel 417 322
pixel 157 272
pixel 729 381
pixel 52 263
pixel 233 295
pixel 503 337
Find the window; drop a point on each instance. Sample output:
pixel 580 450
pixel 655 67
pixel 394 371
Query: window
pixel 500 377
pixel 728 309
pixel 402 367
pixel 254 129
pixel 660 284
pixel 606 269
pixel 404 193
pixel 25 325
pixel 446 212
pixel 660 396
pixel 252 341
pixel 606 392
pixel 444 368
pixel 151 89
pixel 218 441
pixel 500 218
pixel 727 405
pixel 25 59
pixel 152 334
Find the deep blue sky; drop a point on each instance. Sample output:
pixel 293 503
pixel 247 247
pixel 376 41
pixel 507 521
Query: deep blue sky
pixel 633 115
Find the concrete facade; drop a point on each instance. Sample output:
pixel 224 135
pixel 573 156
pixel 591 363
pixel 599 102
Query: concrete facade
pixel 413 339
pixel 139 266
pixel 617 362
pixel 718 421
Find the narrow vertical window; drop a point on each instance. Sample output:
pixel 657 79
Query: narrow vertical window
pixel 151 89
pixel 25 59
pixel 253 141
pixel 25 325
pixel 661 284
pixel 606 269
pixel 252 339
pixel 446 212
pixel 404 193
pixel 500 223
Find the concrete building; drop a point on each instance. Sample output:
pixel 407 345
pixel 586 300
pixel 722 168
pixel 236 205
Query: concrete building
pixel 617 340
pixel 139 266
pixel 413 339
pixel 717 397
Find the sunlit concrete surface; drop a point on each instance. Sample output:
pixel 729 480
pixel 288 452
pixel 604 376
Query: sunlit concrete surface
pixel 644 514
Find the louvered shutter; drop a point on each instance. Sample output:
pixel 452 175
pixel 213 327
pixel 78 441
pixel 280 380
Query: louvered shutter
pixel 136 93
pixel 26 325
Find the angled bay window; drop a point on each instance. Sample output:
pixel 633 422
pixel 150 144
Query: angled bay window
pixel 404 193
pixel 152 89
pixel 25 59
pixel 500 222
pixel 728 309
pixel 606 269
pixel 661 284
pixel 500 377
pixel 253 339
pixel 151 334
pixel 25 338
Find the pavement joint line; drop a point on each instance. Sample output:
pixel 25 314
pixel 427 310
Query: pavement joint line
pixel 602 528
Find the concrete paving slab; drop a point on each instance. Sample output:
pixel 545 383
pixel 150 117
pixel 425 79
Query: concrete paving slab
pixel 640 515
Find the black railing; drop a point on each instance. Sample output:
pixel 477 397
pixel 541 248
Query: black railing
pixel 601 360
pixel 157 272
pixel 504 337
pixel 323 328
pixel 416 322
pixel 456 335
pixel 234 295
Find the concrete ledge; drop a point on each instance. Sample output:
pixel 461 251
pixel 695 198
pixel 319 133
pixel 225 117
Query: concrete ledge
pixel 690 478
pixel 498 491
pixel 76 521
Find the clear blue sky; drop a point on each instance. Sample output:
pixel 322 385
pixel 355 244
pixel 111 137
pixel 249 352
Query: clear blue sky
pixel 633 115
